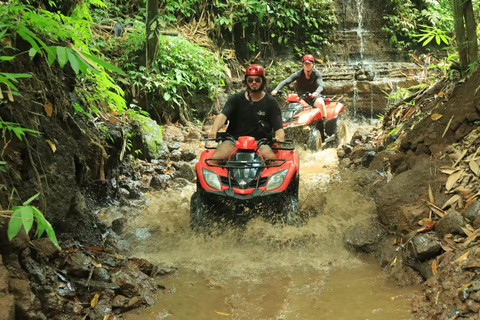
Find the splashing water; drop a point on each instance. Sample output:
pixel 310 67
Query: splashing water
pixel 266 271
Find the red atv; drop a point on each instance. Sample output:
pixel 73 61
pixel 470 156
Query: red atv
pixel 245 185
pixel 303 122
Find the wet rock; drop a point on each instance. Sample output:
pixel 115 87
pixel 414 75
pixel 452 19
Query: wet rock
pixel 160 181
pixel 368 157
pixel 45 247
pixel 463 295
pixel 188 155
pixel 125 303
pixel 409 188
pixel 184 170
pixel 151 269
pixel 409 216
pixel 425 246
pixel 452 222
pixel 473 211
pixel 78 264
pixel 84 285
pixel 101 274
pixel 424 268
pixel 118 224
pixel 134 282
pixel 174 146
pixel 364 235
pixel 176 155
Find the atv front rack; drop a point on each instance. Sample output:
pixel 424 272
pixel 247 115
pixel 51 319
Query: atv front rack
pixel 274 144
pixel 223 163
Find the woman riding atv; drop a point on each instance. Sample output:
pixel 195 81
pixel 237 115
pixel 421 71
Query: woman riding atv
pixel 308 79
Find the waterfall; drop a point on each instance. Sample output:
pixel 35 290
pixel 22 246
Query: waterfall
pixel 354 98
pixel 359 28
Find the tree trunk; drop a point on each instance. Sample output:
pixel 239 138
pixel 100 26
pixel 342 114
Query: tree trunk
pixel 460 33
pixel 471 32
pixel 152 39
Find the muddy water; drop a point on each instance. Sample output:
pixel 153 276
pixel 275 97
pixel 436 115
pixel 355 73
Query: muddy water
pixel 265 271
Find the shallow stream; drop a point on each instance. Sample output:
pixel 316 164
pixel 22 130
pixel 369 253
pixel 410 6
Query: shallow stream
pixel 266 271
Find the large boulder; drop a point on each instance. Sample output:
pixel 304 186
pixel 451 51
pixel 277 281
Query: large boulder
pixel 410 188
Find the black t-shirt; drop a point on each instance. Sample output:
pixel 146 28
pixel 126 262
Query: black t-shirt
pixel 249 119
pixel 314 84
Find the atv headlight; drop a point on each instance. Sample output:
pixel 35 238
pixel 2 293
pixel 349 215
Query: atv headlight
pixel 303 118
pixel 211 178
pixel 276 180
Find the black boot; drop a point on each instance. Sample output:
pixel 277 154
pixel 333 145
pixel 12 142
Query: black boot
pixel 323 127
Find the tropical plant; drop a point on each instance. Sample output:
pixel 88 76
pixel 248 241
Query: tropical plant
pixel 24 216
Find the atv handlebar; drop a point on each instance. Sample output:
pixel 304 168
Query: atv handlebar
pixel 272 142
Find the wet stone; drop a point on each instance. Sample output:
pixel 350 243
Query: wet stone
pixel 188 155
pixel 184 170
pixel 78 264
pixel 450 223
pixel 174 146
pixel 473 211
pixel 426 246
pixel 175 155
pixel 101 274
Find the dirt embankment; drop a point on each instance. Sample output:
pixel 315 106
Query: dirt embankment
pixel 426 188
pixel 77 164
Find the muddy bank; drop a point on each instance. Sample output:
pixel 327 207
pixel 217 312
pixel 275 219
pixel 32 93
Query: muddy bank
pixel 426 193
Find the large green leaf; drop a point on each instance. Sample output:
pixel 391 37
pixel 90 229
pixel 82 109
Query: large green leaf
pixel 62 56
pixel 104 64
pixel 73 60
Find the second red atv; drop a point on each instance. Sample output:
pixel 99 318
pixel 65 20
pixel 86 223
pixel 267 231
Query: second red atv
pixel 245 185
pixel 303 122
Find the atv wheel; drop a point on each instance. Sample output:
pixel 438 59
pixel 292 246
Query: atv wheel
pixel 290 210
pixel 314 140
pixel 341 133
pixel 199 220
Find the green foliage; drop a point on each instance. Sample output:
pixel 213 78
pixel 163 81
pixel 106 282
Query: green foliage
pixel 429 33
pixel 2 166
pixel 408 20
pixel 27 22
pixel 181 69
pixel 303 25
pixel 24 215
pixel 16 129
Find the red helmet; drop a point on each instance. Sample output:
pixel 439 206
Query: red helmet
pixel 308 58
pixel 255 70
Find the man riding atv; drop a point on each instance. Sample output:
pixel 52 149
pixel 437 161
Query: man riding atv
pixel 250 113
pixel 308 79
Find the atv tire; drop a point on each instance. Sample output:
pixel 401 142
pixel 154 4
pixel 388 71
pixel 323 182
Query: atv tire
pixel 314 140
pixel 290 210
pixel 199 218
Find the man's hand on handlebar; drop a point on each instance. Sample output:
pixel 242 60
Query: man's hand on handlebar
pixel 212 135
pixel 274 93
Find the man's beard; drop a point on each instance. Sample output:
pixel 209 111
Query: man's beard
pixel 259 89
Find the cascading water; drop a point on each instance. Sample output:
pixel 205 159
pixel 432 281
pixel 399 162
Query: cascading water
pixel 359 28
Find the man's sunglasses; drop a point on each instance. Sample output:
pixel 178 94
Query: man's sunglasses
pixel 257 80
